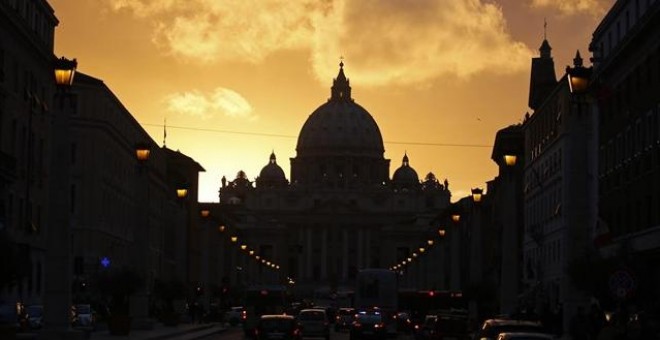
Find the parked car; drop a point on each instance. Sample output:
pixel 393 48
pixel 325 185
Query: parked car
pixel 450 327
pixel 491 328
pixel 34 317
pixel 84 316
pixel 344 319
pixel 234 315
pixel 368 325
pixel 403 322
pixel 314 323
pixel 524 336
pixel 423 330
pixel 281 327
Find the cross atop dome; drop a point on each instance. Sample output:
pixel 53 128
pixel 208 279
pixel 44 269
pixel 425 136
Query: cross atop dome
pixel 341 89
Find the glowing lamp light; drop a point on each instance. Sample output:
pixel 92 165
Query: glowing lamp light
pixel 456 217
pixel 414 254
pixel 477 194
pixel 234 239
pixel 422 249
pixel 243 246
pixel 65 70
pixel 257 257
pixel 181 193
pixel 441 232
pixel 221 228
pixel 430 242
pixel 251 252
pixel 142 152
pixel 205 213
pixel 277 267
pixel 510 160
pixel 578 82
pixel 409 259
pixel 404 262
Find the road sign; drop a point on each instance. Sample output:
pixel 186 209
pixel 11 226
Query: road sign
pixel 622 283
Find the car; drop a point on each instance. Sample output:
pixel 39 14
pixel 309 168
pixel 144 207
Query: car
pixel 277 326
pixel 34 316
pixel 449 327
pixel 234 315
pixel 423 330
pixel 491 328
pixel 524 336
pixel 314 323
pixel 84 316
pixel 344 319
pixel 403 322
pixel 368 325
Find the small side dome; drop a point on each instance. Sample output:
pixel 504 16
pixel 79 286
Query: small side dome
pixel 272 174
pixel 405 176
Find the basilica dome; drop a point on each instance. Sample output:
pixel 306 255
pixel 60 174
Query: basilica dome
pixel 405 175
pixel 340 126
pixel 271 174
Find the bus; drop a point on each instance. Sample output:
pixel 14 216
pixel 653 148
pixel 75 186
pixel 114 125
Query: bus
pixel 261 300
pixel 377 288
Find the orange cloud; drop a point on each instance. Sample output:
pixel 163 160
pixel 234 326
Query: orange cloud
pixel 384 40
pixel 570 7
pixel 222 101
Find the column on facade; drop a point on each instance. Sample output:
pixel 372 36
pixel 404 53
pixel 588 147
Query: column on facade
pixel 367 248
pixel 360 250
pixel 344 267
pixel 308 252
pixel 324 253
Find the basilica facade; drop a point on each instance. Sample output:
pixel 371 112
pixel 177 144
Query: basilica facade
pixel 338 212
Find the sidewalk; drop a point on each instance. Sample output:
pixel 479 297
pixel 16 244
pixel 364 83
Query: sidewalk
pixel 184 331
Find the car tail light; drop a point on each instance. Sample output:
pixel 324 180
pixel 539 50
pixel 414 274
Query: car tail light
pixel 379 325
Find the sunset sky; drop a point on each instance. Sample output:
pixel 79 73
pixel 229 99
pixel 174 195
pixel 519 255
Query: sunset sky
pixel 236 79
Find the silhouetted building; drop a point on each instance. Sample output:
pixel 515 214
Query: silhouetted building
pixel 27 87
pixel 559 190
pixel 626 87
pixel 340 211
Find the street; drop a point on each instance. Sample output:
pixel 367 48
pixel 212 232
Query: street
pixel 236 333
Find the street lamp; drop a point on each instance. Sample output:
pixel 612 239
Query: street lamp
pixel 221 228
pixel 181 193
pixel 243 246
pixel 57 282
pixel 430 242
pixel 234 239
pixel 142 152
pixel 442 232
pixel 422 249
pixel 205 213
pixel 510 160
pixel 251 252
pixel 65 70
pixel 456 217
pixel 578 76
pixel 477 193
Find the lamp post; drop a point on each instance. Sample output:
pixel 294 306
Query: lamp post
pixel 59 267
pixel 139 304
pixel 454 245
pixel 476 249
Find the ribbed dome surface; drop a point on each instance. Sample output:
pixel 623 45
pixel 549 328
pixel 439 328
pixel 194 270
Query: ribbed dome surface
pixel 340 126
